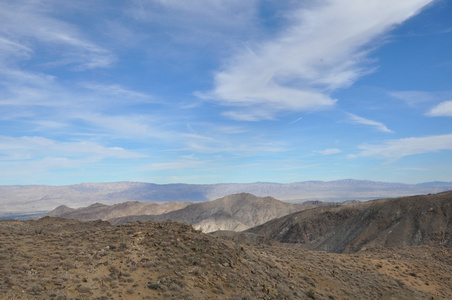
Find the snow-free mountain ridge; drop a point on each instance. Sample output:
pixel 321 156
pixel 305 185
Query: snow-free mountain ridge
pixel 33 198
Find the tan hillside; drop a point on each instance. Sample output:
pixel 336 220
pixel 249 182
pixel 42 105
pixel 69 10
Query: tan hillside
pixel 406 221
pixel 55 258
pixel 235 212
pixel 104 212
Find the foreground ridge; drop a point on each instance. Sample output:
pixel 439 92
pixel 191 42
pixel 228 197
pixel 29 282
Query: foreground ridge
pixel 55 258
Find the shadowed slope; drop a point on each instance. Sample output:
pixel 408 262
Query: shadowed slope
pixel 407 221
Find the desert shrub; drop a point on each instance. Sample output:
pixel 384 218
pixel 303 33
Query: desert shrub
pixel 154 286
pixel 83 289
pixel 310 294
pixel 35 290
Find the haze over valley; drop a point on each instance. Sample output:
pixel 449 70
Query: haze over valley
pixel 36 198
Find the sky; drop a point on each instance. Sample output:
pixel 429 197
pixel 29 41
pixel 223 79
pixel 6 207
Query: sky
pixel 214 91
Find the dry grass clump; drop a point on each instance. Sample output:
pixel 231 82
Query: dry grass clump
pixel 65 259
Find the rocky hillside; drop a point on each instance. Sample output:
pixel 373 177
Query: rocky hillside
pixel 54 258
pixel 234 212
pixel 406 221
pixel 104 212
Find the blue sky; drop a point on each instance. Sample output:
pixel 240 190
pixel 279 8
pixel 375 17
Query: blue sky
pixel 209 91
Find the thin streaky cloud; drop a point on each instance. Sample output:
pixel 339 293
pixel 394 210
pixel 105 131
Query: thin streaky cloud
pixel 232 149
pixel 329 151
pixel 196 136
pixel 118 91
pixel 363 121
pixel 28 21
pixel 33 147
pixel 247 115
pixel 295 121
pixel 176 165
pixel 396 149
pixel 413 98
pixel 422 99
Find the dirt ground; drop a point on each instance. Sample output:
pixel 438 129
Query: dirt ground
pixel 54 258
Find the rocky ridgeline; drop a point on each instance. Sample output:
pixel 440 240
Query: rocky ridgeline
pixel 233 212
pixel 405 221
pixel 54 258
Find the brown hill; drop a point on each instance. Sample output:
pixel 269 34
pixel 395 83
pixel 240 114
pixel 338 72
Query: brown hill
pixel 104 212
pixel 54 258
pixel 406 221
pixel 234 212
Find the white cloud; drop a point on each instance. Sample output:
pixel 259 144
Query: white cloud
pixel 360 120
pixel 122 126
pixel 322 50
pixel 444 109
pixel 396 149
pixel 35 147
pixel 239 149
pixel 414 98
pixel 117 90
pixel 247 115
pixel 176 165
pixel 194 14
pixel 329 151
pixel 11 48
pixel 209 24
pixel 34 24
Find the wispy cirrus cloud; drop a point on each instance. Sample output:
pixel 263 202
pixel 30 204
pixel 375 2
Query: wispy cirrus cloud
pixel 35 147
pixel 193 16
pixel 243 148
pixel 27 23
pixel 363 121
pixel 174 165
pixel 396 149
pixel 117 91
pixel 325 48
pixel 414 98
pixel 329 151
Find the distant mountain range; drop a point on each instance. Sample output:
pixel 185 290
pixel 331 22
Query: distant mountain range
pixel 30 199
pixel 234 212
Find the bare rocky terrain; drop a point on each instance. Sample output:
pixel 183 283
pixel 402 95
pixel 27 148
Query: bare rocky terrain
pixel 235 212
pixel 54 258
pixel 98 211
pixel 30 199
pixel 396 222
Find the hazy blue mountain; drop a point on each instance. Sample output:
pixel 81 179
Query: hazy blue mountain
pixel 20 199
